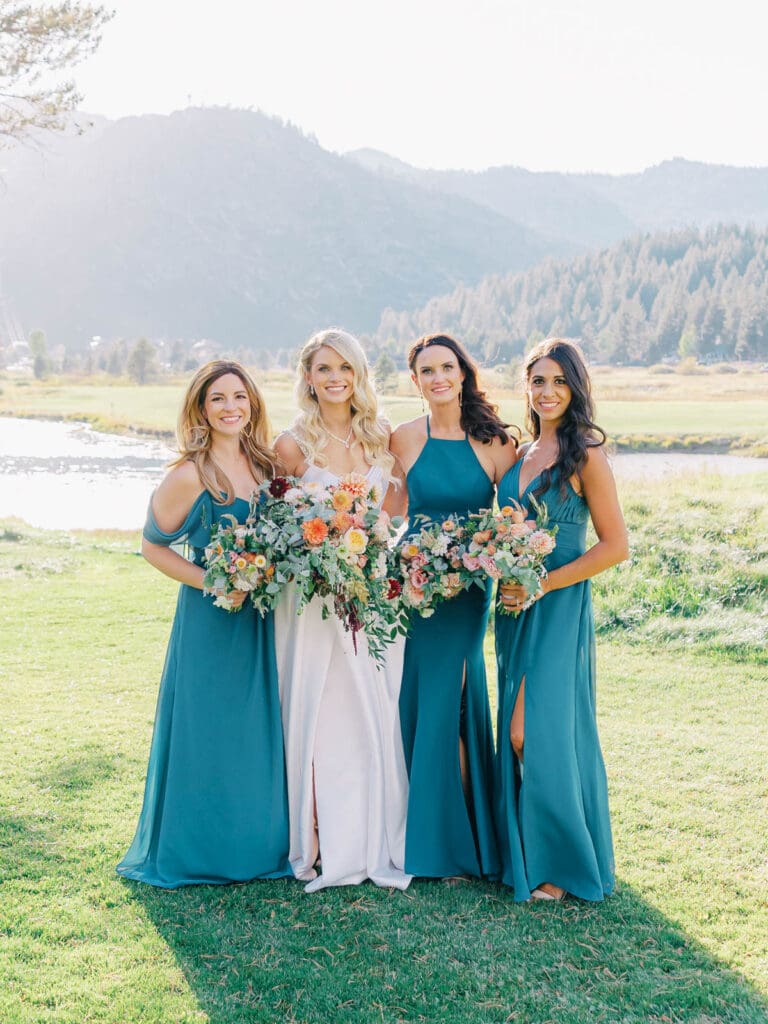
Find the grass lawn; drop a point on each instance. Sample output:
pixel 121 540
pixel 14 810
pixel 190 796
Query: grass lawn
pixel 683 720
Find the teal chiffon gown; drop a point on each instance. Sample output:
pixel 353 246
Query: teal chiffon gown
pixel 444 836
pixel 552 809
pixel 215 807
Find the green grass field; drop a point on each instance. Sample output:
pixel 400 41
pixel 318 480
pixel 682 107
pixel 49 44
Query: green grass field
pixel 639 409
pixel 682 691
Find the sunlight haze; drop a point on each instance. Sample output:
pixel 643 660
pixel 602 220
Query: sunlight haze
pixel 547 86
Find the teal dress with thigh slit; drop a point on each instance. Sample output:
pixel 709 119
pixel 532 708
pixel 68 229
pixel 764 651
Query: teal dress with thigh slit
pixel 552 808
pixel 215 806
pixel 444 692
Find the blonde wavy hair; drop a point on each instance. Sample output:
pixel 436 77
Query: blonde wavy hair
pixel 368 427
pixel 193 434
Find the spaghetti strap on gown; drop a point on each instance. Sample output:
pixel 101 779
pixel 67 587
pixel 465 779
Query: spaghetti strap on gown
pixel 344 753
pixel 444 691
pixel 215 806
pixel 552 810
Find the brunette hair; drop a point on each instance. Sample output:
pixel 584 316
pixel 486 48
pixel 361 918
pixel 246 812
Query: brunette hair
pixel 193 433
pixel 577 431
pixel 479 417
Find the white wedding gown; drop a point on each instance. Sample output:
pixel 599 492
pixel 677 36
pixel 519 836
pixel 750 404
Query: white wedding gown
pixel 342 737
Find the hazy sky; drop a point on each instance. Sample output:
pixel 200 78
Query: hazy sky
pixel 545 84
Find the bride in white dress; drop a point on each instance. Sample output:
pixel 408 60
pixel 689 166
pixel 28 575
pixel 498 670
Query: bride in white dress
pixel 347 784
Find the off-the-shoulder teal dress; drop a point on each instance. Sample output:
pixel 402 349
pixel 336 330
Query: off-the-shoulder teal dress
pixel 552 810
pixel 215 807
pixel 444 690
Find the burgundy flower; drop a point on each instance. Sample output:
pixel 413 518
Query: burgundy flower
pixel 395 589
pixel 278 486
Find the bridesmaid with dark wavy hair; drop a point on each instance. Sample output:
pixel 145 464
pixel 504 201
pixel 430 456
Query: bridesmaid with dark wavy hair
pixel 552 794
pixel 451 459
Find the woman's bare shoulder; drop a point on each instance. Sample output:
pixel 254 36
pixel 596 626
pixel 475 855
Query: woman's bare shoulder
pixel 176 494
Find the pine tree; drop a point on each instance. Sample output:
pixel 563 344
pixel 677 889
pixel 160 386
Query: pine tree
pixel 35 42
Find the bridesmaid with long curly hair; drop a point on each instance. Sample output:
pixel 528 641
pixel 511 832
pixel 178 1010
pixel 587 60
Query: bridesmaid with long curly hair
pixel 215 805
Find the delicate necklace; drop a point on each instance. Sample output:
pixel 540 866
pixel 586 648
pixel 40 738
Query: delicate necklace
pixel 347 442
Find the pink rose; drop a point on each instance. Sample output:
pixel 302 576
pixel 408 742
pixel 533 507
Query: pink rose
pixel 489 566
pixel 540 542
pixel 470 562
pixel 519 530
pixel 418 578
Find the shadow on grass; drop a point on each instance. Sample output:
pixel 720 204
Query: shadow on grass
pixel 267 952
pixel 69 776
pixel 29 848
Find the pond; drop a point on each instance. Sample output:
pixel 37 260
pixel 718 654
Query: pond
pixel 62 475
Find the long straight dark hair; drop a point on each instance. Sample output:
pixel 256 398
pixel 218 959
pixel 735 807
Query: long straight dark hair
pixel 479 417
pixel 577 431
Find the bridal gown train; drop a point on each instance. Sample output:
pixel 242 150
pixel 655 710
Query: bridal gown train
pixel 343 747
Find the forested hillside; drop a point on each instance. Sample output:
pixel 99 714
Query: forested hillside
pixel 683 293
pixel 228 225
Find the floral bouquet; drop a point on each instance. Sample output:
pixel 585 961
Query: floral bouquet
pixel 343 539
pixel 237 559
pixel 332 541
pixel 506 546
pixel 432 568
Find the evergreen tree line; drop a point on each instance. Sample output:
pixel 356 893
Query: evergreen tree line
pixel 690 293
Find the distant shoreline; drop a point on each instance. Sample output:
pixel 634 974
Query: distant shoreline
pixel 645 444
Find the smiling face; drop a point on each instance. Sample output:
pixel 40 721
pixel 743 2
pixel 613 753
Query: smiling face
pixel 227 407
pixel 548 392
pixel 331 376
pixel 438 375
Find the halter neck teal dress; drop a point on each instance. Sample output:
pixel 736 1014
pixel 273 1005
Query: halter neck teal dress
pixel 215 807
pixel 446 833
pixel 552 810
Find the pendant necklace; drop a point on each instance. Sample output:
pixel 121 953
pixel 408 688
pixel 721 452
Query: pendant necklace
pixel 346 442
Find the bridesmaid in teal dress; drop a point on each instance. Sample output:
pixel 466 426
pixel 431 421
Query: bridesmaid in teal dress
pixel 215 807
pixel 451 459
pixel 552 796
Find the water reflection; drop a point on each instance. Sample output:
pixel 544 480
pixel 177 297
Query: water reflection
pixel 69 476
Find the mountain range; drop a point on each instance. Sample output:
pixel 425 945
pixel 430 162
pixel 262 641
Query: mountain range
pixel 234 226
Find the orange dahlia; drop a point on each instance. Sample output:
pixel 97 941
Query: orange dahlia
pixel 315 531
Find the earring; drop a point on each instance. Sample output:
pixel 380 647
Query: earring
pixel 421 396
pixel 461 396
pixel 248 429
pixel 312 390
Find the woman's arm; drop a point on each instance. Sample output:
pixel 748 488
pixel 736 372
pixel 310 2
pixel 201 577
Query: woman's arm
pixel 504 457
pixel 396 499
pixel 599 489
pixel 171 503
pixel 290 456
pixel 612 546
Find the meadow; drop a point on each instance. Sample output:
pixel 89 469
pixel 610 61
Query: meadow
pixel 641 409
pixel 682 631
